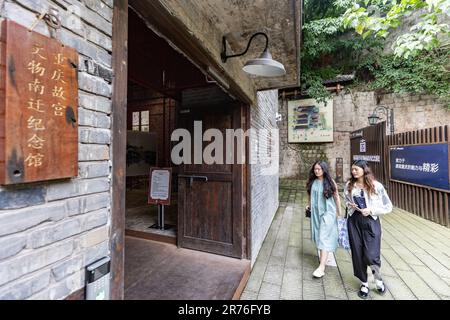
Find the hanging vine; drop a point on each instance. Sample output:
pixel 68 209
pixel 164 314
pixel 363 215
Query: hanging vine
pixel 416 62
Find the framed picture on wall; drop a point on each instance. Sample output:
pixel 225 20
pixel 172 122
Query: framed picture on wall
pixel 310 121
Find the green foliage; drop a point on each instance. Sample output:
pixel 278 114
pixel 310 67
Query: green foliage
pixel 329 49
pixel 423 74
pixel 375 17
pixel 313 86
pixel 420 60
pixel 319 9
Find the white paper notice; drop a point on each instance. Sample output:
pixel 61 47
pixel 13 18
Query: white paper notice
pixel 160 184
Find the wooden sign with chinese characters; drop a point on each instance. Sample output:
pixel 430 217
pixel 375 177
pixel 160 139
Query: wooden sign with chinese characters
pixel 38 107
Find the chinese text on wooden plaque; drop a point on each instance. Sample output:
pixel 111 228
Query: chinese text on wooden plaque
pixel 38 107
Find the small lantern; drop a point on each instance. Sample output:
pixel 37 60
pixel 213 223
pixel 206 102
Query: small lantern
pixel 373 119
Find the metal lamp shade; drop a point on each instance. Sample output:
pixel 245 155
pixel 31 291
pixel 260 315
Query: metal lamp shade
pixel 264 66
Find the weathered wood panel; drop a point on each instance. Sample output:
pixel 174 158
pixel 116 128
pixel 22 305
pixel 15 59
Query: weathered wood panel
pixel 375 146
pixel 119 129
pixel 38 107
pixel 211 212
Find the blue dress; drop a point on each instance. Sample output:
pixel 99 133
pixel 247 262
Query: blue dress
pixel 324 227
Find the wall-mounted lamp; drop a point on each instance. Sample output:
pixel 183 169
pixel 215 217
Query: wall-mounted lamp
pixel 373 118
pixel 263 66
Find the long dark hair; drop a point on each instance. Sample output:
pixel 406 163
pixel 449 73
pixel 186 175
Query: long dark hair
pixel 329 188
pixel 368 178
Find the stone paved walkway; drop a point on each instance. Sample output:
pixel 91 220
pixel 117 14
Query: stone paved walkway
pixel 415 258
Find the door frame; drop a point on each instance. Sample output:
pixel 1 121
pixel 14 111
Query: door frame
pixel 118 145
pixel 163 21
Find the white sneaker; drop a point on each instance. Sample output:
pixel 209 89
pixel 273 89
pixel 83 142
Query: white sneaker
pixel 318 273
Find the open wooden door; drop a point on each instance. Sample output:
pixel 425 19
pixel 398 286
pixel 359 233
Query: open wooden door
pixel 210 197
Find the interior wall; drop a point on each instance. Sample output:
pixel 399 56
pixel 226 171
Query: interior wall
pixel 161 121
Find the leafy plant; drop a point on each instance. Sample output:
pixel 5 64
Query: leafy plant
pixel 423 74
pixel 331 46
pixel 425 35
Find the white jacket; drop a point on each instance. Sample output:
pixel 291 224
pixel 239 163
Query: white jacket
pixel 379 203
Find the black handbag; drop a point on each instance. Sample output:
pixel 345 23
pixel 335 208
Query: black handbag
pixel 308 213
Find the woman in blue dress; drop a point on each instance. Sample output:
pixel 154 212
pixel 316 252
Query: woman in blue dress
pixel 325 208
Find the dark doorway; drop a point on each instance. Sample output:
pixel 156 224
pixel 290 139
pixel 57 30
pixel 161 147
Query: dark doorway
pixel 165 92
pixel 150 120
pixel 157 77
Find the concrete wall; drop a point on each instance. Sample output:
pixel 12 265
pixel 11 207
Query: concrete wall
pixel 264 173
pixel 50 231
pixel 411 112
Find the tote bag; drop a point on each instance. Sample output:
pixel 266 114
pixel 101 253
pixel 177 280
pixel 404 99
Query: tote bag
pixel 343 240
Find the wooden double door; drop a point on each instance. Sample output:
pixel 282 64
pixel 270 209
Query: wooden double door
pixel 211 196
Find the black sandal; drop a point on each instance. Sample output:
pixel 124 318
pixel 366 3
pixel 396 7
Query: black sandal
pixel 363 294
pixel 382 291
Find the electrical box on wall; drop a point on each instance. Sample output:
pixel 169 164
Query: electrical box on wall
pixel 38 107
pixel 97 280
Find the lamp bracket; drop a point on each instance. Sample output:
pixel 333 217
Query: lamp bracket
pixel 381 108
pixel 224 55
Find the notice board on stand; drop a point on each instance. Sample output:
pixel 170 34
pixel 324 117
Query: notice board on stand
pixel 38 107
pixel 160 186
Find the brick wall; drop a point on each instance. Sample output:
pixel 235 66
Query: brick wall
pixel 50 231
pixel 411 112
pixel 264 173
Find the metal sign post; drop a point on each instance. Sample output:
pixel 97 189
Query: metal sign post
pixel 161 224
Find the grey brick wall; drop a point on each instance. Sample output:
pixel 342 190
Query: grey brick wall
pixel 50 231
pixel 264 170
pixel 411 112
pixel 290 161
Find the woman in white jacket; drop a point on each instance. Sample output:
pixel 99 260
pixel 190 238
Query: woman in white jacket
pixel 366 199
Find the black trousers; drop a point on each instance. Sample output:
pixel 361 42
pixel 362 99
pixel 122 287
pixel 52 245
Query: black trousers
pixel 365 242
